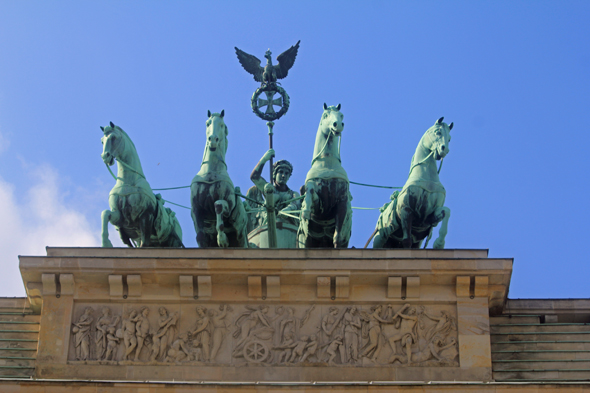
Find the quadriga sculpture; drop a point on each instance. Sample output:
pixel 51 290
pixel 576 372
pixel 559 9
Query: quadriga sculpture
pixel 326 215
pixel 138 214
pixel 419 207
pixel 219 217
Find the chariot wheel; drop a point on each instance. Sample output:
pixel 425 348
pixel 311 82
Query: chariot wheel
pixel 256 351
pixel 270 102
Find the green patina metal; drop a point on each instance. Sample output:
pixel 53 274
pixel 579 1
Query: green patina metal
pixel 286 204
pixel 138 214
pixel 326 214
pixel 414 211
pixel 272 214
pixel 274 227
pixel 218 215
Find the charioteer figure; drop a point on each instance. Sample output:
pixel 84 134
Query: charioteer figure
pixel 286 204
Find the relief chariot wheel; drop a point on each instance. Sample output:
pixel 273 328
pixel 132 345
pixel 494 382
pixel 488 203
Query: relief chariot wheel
pixel 270 102
pixel 256 351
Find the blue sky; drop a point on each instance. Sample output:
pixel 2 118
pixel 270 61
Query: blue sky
pixel 513 76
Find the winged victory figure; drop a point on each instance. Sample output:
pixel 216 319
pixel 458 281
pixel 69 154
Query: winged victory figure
pixel 270 73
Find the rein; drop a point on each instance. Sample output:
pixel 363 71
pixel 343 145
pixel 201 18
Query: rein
pixel 205 152
pixel 424 160
pixel 326 144
pixel 126 166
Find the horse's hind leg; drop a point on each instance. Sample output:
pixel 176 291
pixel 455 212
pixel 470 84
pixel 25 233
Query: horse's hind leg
pixel 146 224
pixel 406 217
pixel 379 240
pixel 341 226
pixel 108 216
pixel 442 232
pixel 221 210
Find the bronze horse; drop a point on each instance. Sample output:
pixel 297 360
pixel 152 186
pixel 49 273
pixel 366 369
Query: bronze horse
pixel 219 216
pixel 138 214
pixel 419 207
pixel 326 214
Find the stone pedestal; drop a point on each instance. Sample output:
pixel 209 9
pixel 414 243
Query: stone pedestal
pixel 284 315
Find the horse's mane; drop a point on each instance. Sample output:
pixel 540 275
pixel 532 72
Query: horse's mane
pixel 117 128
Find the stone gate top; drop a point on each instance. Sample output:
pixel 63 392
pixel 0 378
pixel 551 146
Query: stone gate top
pixel 264 314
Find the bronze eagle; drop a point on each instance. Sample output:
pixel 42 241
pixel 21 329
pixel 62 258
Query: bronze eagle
pixel 270 73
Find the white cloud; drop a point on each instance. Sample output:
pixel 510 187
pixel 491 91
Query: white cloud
pixel 40 219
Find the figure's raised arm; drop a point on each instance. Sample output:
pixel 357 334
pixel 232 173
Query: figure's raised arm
pixel 306 316
pixel 256 175
pixel 432 318
pixel 263 319
pixel 223 312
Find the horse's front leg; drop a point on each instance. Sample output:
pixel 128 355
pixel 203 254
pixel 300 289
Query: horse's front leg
pixel 442 232
pixel 108 216
pixel 307 203
pixel 221 210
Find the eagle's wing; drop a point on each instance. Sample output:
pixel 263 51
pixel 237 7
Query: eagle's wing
pixel 250 64
pixel 286 61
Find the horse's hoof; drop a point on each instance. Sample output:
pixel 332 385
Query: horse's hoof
pixel 107 244
pixel 222 240
pixel 439 244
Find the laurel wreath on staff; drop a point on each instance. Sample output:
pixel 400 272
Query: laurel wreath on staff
pixel 270 88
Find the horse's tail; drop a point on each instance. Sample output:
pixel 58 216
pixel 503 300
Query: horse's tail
pixel 371 238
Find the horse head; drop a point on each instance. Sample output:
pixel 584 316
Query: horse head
pixel 437 138
pixel 332 120
pixel 113 143
pixel 216 133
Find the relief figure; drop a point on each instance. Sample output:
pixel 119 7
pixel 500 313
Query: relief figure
pixel 201 335
pixel 444 325
pixel 332 322
pixel 165 334
pixel 219 329
pixel 252 324
pixel 352 337
pixel 333 347
pixel 310 349
pixel 129 338
pixel 81 331
pixel 433 350
pixel 112 344
pixel 286 347
pixel 292 324
pixel 300 346
pixel 372 329
pixel 178 350
pixel 102 325
pixel 406 334
pixel 142 328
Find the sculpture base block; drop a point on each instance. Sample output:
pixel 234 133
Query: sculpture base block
pixel 250 315
pixel 286 236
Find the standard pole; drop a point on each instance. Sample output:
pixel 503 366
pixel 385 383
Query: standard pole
pixel 270 125
pixel 271 220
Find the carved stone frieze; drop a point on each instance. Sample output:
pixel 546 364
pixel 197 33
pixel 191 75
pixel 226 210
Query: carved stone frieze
pixel 265 334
